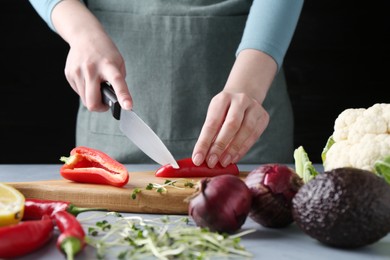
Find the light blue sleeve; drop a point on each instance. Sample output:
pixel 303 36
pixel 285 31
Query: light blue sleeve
pixel 44 9
pixel 270 27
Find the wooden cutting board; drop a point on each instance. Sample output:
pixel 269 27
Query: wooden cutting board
pixel 173 201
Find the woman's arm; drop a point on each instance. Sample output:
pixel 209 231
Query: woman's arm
pixel 92 58
pixel 236 117
pixel 44 9
pixel 270 27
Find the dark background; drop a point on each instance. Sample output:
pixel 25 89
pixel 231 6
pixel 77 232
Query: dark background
pixel 338 59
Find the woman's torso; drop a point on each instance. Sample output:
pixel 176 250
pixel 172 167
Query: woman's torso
pixel 178 56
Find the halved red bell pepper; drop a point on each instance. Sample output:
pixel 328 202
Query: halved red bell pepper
pixel 187 169
pixel 93 166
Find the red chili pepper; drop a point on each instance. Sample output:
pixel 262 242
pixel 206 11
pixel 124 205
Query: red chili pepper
pixel 72 238
pixel 93 166
pixel 187 169
pixel 25 237
pixel 36 208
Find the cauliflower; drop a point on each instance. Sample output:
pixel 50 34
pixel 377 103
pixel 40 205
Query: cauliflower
pixel 360 139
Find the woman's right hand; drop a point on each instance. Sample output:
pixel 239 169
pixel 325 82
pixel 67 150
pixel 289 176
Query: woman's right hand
pixel 93 57
pixel 91 61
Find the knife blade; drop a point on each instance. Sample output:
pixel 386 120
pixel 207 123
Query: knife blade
pixel 137 130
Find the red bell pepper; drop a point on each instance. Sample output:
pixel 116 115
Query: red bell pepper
pixel 25 237
pixel 72 238
pixel 36 208
pixel 187 169
pixel 93 166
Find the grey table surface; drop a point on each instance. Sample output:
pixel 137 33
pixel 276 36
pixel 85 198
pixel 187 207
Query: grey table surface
pixel 287 243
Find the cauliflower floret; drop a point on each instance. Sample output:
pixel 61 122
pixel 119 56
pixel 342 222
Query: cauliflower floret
pixel 346 118
pixel 338 156
pixel 361 137
pixel 369 149
pixel 366 125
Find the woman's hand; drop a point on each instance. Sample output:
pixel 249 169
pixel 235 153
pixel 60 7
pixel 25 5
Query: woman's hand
pixel 92 58
pixel 233 124
pixel 236 117
pixel 90 63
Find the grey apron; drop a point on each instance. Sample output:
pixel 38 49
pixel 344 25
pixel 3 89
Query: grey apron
pixel 178 56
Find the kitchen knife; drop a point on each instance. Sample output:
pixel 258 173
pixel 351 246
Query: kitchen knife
pixel 137 130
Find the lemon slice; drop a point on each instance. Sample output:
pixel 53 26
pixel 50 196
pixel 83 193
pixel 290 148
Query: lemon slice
pixel 11 205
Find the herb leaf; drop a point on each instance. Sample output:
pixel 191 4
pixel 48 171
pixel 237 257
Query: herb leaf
pixel 166 237
pixel 161 188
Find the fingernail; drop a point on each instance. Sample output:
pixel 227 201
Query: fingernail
pixel 197 159
pixel 226 160
pixel 212 161
pixel 127 105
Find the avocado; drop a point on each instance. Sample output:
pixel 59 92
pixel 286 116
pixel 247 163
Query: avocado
pixel 345 208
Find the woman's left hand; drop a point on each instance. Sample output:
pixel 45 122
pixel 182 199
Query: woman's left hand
pixel 235 117
pixel 233 124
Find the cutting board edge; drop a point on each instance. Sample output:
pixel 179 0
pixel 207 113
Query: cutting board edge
pixel 113 198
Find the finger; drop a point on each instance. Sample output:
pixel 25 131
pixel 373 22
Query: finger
pixel 79 92
pixel 251 122
pixel 118 82
pixel 252 139
pixel 73 86
pixel 91 87
pixel 210 129
pixel 232 150
pixel 80 88
pixel 246 146
pixel 229 129
pixel 74 77
pixel 93 95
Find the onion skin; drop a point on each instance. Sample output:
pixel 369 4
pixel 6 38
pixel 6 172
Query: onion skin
pixel 273 187
pixel 221 204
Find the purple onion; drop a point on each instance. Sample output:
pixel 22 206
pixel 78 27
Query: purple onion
pixel 221 204
pixel 273 187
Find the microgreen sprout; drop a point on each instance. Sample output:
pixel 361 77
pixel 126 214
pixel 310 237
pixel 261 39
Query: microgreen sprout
pixel 135 192
pixel 166 237
pixel 162 188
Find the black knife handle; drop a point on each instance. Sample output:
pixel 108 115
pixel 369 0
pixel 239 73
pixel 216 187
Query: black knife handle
pixel 110 99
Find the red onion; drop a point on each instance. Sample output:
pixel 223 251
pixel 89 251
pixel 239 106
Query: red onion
pixel 273 187
pixel 221 204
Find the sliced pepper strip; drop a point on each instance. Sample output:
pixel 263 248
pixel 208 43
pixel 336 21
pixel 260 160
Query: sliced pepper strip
pixel 187 169
pixel 93 166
